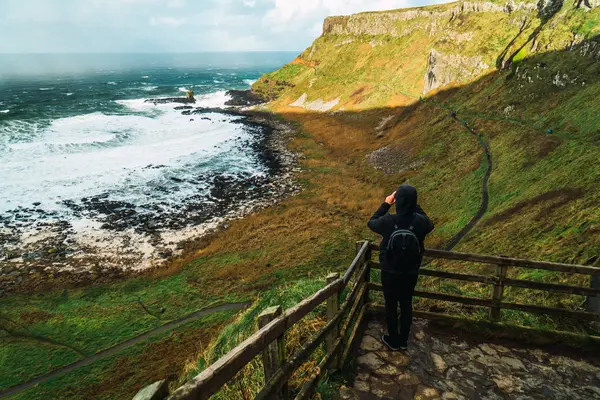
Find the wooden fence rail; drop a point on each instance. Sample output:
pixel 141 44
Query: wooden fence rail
pixel 343 320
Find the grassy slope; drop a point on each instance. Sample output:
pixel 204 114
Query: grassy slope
pixel 313 233
pixel 542 189
pixel 374 85
pixel 121 376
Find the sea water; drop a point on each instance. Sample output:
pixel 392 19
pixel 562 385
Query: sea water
pixel 78 127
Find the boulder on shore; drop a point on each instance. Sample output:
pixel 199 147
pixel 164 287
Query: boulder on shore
pixel 244 98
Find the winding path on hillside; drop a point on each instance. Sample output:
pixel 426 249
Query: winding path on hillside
pixel 485 196
pixel 111 351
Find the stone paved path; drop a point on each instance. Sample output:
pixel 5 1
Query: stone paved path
pixel 443 365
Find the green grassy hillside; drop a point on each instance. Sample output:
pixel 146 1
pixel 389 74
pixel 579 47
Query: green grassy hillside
pixel 374 94
pixel 512 75
pixel 508 70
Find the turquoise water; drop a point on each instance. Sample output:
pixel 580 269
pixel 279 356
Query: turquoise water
pixel 45 87
pixel 77 127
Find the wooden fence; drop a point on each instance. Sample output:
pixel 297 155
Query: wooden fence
pixel 343 320
pixel 500 280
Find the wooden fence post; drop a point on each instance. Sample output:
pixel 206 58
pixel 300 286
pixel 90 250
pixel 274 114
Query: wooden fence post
pixel 367 277
pixel 593 302
pixel 274 354
pixel 333 307
pixel 497 293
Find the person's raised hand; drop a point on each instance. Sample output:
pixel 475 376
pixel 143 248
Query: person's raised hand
pixel 391 199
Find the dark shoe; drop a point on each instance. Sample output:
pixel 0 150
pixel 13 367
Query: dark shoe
pixel 403 346
pixel 387 340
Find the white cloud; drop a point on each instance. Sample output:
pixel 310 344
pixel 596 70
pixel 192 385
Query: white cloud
pixel 171 22
pixel 176 3
pixel 295 15
pixel 158 25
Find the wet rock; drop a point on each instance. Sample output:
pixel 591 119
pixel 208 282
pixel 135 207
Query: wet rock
pixel 361 382
pixel 167 100
pixel 499 348
pixel 460 345
pixel 370 360
pixel 451 396
pixel 473 368
pixel 409 379
pixel 506 383
pixel 387 370
pixel 513 363
pixel 488 350
pixel 426 393
pixel 475 353
pixel 369 343
pixel 476 370
pixel 384 388
pixel 439 363
pixel 244 98
pixel 396 358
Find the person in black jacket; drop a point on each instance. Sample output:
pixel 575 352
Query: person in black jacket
pixel 399 285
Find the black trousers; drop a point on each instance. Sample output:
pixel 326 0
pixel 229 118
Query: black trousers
pixel 398 289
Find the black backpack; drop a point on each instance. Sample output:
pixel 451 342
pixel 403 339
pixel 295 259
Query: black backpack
pixel 404 249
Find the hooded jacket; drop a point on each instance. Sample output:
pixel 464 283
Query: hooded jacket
pixel 407 211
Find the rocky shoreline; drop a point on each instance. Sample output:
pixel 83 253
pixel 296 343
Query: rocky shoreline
pixel 118 240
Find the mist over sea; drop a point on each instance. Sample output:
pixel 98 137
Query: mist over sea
pixel 78 141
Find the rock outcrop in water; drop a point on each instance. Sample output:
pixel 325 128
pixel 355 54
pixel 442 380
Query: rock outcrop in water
pixel 167 100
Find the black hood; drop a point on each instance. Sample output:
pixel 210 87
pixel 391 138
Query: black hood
pixel 406 200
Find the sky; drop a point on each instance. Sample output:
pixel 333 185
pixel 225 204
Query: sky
pixel 126 26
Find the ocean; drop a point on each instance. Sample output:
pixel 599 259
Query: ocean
pixel 82 150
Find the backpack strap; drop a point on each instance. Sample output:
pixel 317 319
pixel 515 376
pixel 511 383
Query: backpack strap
pixel 412 224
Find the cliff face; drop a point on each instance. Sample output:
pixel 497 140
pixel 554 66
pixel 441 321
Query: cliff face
pixel 423 49
pixel 386 23
pixel 444 69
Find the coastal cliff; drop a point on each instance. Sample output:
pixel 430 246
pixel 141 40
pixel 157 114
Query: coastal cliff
pixel 523 79
pixel 423 49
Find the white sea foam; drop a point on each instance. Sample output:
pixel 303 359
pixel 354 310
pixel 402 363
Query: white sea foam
pixel 250 82
pixel 111 83
pixel 213 100
pixel 218 81
pixel 43 89
pixel 149 88
pixel 89 154
pixel 145 77
pixel 182 89
pixel 4 111
pixel 69 94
